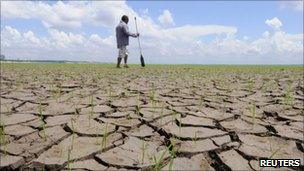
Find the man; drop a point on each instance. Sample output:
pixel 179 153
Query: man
pixel 122 38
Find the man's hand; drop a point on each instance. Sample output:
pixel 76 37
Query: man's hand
pixel 135 35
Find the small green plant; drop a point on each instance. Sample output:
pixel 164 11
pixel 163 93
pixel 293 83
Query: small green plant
pixel 274 152
pixel 75 108
pixel 152 97
pixel 172 152
pixel 157 161
pixel 138 105
pixel 144 147
pixel 2 133
pixel 41 120
pixel 91 100
pixel 71 95
pixel 173 117
pixel 43 168
pixel 110 94
pixel 265 87
pixel 91 109
pixel 250 85
pixel 152 93
pixel 2 137
pixel 288 97
pixel 104 137
pixel 69 158
pixel 9 111
pixel 225 105
pixel 253 113
pixel 73 132
pixel 180 123
pixel 162 113
pixel 57 93
pixel 201 100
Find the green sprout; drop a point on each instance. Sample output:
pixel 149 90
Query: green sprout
pixel 157 161
pixel 162 114
pixel 2 134
pixel 41 120
pixel 172 153
pixel 250 85
pixel 225 105
pixel 173 117
pixel 152 93
pixel 288 97
pixel 58 93
pixel 9 111
pixel 138 105
pixel 110 94
pixel 70 97
pixel 152 96
pixel 73 131
pixel 43 168
pixel 265 87
pixel 91 109
pixel 91 100
pixel 2 137
pixel 104 137
pixel 253 113
pixel 274 152
pixel 69 158
pixel 143 148
pixel 201 99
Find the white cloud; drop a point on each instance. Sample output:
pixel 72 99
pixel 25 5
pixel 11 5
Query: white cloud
pixel 191 32
pixel 57 45
pixel 145 11
pixel 274 23
pixel 69 15
pixel 181 44
pixel 291 4
pixel 60 15
pixel 166 18
pixel 65 40
pixel 108 13
pixel 66 45
pixel 95 38
pixel 31 37
pixel 266 34
pixel 14 34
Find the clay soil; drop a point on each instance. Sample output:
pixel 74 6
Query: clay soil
pixel 168 117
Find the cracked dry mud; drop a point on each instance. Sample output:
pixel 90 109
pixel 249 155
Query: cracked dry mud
pixel 96 117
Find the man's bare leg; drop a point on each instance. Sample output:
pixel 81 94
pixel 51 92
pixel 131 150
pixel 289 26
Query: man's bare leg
pixel 118 62
pixel 126 61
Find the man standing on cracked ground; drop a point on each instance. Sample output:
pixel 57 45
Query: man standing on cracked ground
pixel 122 38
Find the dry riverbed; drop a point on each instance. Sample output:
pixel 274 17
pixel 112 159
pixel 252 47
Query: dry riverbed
pixel 179 117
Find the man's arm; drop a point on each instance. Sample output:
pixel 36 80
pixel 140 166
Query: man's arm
pixel 126 31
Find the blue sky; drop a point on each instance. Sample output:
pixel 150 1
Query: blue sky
pixel 248 16
pixel 91 23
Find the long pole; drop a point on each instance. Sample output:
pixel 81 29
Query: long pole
pixel 138 36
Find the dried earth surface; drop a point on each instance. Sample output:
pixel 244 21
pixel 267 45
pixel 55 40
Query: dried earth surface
pixel 183 117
